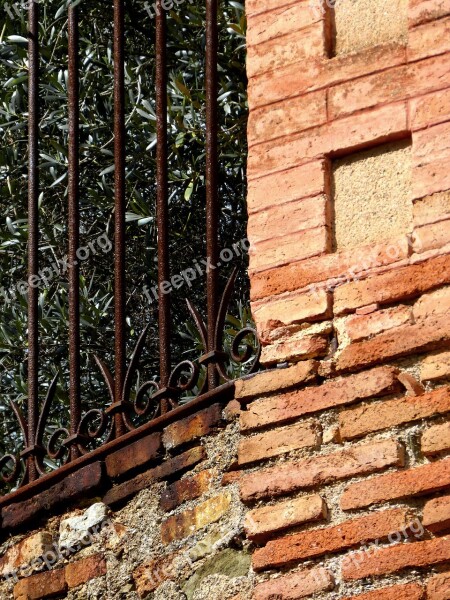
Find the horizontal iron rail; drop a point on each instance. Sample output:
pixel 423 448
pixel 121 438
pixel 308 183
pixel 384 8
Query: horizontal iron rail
pixel 223 393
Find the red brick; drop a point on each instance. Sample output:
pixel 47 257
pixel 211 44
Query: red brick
pixel 430 178
pixel 435 367
pixel 292 184
pixel 431 334
pixel 298 347
pixel 254 7
pixel 350 134
pixel 297 585
pixel 299 45
pixel 309 544
pixel 274 380
pixel 287 117
pixel 84 570
pixel 434 235
pixel 411 385
pixel 291 310
pixel 186 523
pixel 288 218
pixel 438 587
pixel 429 39
pixel 186 489
pixel 150 575
pixel 300 78
pixel 367 418
pixel 264 522
pixel 292 476
pixel 435 304
pixel 432 209
pixel 24 552
pixel 436 514
pixel 421 11
pixel 395 558
pixel 399 83
pixel 338 392
pixel 399 284
pixel 436 439
pixel 280 21
pixel 279 441
pixel 359 327
pixel 133 455
pixel 393 486
pixel 193 427
pixel 410 591
pixel 43 585
pixel 169 467
pixel 430 110
pixel 294 246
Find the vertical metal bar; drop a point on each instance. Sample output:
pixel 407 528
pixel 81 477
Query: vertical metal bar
pixel 33 231
pixel 212 202
pixel 120 206
pixel 74 228
pixel 162 207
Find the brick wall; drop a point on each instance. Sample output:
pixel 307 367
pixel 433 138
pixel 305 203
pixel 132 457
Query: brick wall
pixel 328 475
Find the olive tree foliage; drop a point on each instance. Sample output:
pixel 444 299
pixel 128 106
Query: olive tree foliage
pixel 187 133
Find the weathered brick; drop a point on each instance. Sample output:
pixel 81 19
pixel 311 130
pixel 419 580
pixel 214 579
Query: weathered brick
pixel 294 246
pixel 431 109
pixel 25 551
pixel 84 570
pixel 133 455
pixel 254 7
pixel 168 468
pixel 395 558
pixel 435 367
pixel 186 489
pixel 359 327
pixel 289 218
pixel 292 310
pixel 350 134
pixel 434 235
pixel 399 284
pixel 436 439
pixel 288 477
pixel 338 392
pixel 279 21
pixel 279 441
pixel 422 11
pixel 399 83
pixel 275 379
pixel 296 79
pixel 329 270
pixel 432 209
pixel 438 587
pixel 429 334
pixel 287 117
pixel 410 591
pixel 263 522
pixel 74 486
pixel 298 347
pixel 297 585
pixel 153 573
pixel 193 427
pixel 298 182
pixel 434 304
pixel 429 39
pixel 393 486
pixel 189 521
pixel 367 418
pixel 43 585
pixel 271 55
pixel 308 544
pixel 436 514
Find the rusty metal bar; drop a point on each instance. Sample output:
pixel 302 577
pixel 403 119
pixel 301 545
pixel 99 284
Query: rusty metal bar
pixel 162 206
pixel 212 201
pixel 33 236
pixel 120 207
pixel 74 228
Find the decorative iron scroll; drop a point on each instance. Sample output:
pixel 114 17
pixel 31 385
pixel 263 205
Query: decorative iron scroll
pixel 151 399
